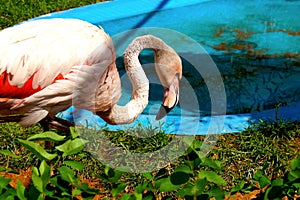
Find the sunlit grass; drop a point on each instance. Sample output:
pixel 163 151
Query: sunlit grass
pixel 267 146
pixel 13 12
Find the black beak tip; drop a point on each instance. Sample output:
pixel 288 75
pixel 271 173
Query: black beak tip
pixel 163 111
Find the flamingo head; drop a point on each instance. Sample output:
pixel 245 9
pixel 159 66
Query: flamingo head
pixel 168 66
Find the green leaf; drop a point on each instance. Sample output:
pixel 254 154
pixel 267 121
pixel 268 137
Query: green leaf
pixel 33 193
pixel 41 197
pixel 294 175
pixel 45 171
pixel 264 181
pixel 148 197
pixel 179 178
pixel 257 175
pixel 196 145
pixel 148 175
pixel 214 164
pixel 57 183
pixel 2 169
pixel 21 191
pixel 273 193
pixel 140 188
pixel 113 175
pixel 183 168
pixel 76 192
pixel 297 186
pixel 295 163
pixel 39 151
pixel 74 164
pixel 66 194
pixel 217 193
pixel 117 176
pixel 8 196
pixel 4 182
pixel 238 187
pixel 117 190
pixel 199 187
pixel 48 135
pixel 185 191
pixel 67 174
pixel 36 180
pixel 84 187
pixel 127 197
pixel 277 182
pixel 165 185
pixel 65 147
pixel 71 146
pixel 191 190
pixel 9 153
pixel 74 132
pixel 212 176
pixel 109 172
pixel 189 139
pixel 194 164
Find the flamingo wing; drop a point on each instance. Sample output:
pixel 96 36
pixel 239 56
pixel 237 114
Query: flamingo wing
pixel 39 61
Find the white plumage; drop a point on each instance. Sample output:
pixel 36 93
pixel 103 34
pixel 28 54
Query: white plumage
pixel 46 65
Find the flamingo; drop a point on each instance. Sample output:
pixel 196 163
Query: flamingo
pixel 46 65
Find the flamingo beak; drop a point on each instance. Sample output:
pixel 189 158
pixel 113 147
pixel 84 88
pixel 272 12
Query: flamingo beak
pixel 171 99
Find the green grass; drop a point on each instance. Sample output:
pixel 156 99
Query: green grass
pixel 267 146
pixel 9 133
pixel 13 12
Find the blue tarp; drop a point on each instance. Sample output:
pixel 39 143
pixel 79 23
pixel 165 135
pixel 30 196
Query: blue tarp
pixel 269 27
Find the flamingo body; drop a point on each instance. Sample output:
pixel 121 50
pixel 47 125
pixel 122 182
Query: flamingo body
pixel 48 65
pixel 35 55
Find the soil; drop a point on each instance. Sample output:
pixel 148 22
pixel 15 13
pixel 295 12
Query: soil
pixel 24 176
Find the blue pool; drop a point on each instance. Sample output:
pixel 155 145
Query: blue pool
pixel 241 59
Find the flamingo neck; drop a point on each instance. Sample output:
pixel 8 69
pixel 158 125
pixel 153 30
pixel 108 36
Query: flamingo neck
pixel 140 84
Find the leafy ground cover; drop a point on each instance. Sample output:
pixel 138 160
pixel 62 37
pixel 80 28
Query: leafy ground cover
pixel 263 163
pixel 259 163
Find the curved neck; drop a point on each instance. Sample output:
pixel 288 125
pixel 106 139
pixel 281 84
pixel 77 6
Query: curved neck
pixel 140 83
